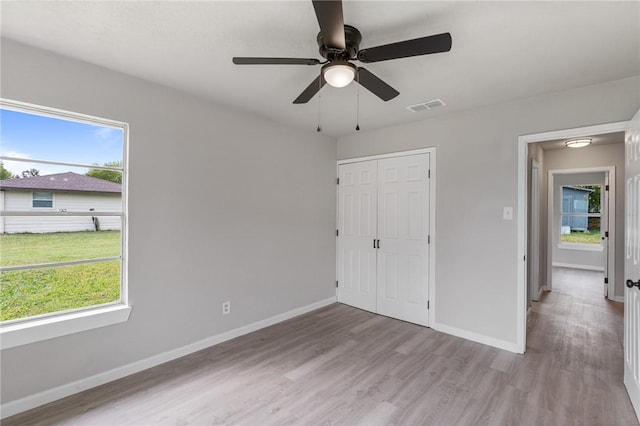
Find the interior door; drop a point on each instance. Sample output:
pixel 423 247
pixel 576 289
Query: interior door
pixel 632 264
pixel 604 231
pixel 357 219
pixel 534 255
pixel 403 230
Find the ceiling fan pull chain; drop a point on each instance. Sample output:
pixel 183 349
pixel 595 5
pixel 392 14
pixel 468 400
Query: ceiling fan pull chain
pixel 358 101
pixel 319 129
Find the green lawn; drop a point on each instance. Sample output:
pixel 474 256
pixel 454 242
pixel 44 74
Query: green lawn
pixel 591 237
pixel 31 292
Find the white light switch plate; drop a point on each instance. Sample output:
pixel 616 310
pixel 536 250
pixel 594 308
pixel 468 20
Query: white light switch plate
pixel 507 213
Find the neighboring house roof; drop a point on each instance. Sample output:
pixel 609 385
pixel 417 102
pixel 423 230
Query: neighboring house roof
pixel 69 181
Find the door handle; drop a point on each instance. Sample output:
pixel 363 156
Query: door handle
pixel 378 246
pixel 631 284
pixel 374 243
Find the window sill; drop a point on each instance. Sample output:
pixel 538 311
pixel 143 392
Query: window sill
pixel 581 247
pixel 23 333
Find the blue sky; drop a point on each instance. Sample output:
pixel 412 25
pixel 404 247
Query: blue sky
pixel 31 136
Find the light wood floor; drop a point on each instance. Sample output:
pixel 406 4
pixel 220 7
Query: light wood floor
pixel 341 365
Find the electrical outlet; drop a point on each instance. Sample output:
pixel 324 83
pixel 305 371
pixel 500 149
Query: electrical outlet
pixel 226 308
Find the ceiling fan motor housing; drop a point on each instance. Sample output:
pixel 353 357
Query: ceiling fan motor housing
pixel 352 38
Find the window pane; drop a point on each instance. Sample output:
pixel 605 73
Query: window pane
pixel 581 229
pixel 40 291
pixel 26 135
pixel 581 206
pixel 43 196
pixel 566 204
pixel 42 199
pixel 73 189
pixel 49 247
pixel 42 204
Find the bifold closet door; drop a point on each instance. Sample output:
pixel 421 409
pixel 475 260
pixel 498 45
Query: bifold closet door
pixel 403 231
pixel 357 221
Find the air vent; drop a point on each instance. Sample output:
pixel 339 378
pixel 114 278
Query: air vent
pixel 434 103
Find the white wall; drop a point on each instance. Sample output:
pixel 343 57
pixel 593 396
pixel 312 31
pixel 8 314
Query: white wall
pixel 223 205
pixel 566 256
pixel 71 201
pixel 476 252
pixel 594 156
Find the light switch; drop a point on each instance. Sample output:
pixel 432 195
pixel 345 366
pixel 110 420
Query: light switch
pixel 507 213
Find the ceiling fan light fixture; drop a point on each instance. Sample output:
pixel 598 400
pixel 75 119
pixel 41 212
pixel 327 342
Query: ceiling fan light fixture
pixel 339 73
pixel 577 143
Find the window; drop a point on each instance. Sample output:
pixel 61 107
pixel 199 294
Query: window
pixel 42 200
pixel 66 260
pixel 581 214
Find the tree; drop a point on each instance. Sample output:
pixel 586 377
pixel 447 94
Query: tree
pixel 30 173
pixel 595 201
pixel 110 175
pixel 4 173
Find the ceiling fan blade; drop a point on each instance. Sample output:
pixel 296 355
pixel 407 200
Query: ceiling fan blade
pixel 404 49
pixel 331 21
pixel 274 61
pixel 311 90
pixel 375 85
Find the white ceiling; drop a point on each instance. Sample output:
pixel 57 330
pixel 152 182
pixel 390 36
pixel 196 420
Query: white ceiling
pixel 501 51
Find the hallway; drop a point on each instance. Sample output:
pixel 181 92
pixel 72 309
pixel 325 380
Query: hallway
pixel 574 336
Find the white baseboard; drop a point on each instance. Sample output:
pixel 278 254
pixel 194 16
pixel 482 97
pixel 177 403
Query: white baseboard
pixel 23 404
pixel 480 338
pixel 619 299
pixel 574 266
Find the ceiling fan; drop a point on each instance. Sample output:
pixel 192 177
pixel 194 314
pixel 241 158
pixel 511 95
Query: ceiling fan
pixel 340 44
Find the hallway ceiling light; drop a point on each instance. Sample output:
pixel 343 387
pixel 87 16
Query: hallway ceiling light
pixel 578 143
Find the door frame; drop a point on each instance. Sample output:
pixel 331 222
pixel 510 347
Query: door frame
pixel 432 214
pixel 535 232
pixel 610 260
pixel 521 252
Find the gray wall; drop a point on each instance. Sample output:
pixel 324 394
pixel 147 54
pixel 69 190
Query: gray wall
pixel 477 176
pixel 224 205
pixel 593 156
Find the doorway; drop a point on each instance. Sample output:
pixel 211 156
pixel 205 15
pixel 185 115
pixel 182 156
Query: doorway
pixel 581 231
pixel 524 148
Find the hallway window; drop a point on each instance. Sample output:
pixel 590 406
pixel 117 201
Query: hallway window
pixel 581 214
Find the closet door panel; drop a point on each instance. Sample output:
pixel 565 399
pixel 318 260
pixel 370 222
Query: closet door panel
pixel 403 229
pixel 357 226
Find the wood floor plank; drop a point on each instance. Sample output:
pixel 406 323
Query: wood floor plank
pixel 344 366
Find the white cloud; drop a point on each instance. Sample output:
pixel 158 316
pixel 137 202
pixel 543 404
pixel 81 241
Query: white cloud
pixel 104 132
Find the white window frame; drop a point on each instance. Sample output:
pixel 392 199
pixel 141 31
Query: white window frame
pixel 33 198
pixel 582 246
pixel 23 331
